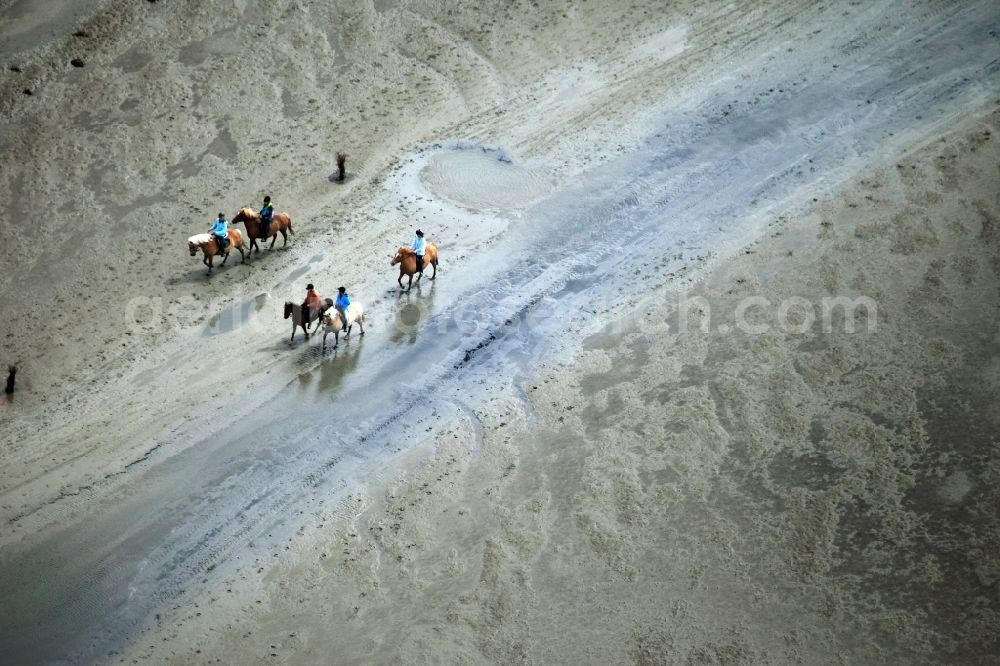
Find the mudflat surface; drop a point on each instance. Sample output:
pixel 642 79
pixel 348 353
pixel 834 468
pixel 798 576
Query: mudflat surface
pixel 706 374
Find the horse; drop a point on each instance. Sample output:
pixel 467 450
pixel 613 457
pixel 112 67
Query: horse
pixel 332 324
pixel 210 247
pixel 294 310
pixel 279 222
pixel 407 260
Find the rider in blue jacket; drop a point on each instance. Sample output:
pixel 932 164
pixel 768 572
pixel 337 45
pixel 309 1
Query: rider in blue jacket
pixel 418 249
pixel 266 213
pixel 341 304
pixel 220 229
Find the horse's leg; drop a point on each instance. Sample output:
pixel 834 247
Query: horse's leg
pixel 225 258
pixel 243 255
pixel 435 265
pixel 409 285
pixel 361 323
pixel 284 235
pixel 294 326
pixel 336 339
pixel 273 239
pixel 325 333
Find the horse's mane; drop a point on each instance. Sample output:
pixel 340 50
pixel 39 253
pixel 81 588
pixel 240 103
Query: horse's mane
pixel 200 239
pixel 248 212
pixel 406 251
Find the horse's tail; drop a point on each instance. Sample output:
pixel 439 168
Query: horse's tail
pixel 290 230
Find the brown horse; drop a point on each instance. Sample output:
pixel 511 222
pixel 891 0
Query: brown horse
pixel 280 222
pixel 407 260
pixel 210 247
pixel 294 310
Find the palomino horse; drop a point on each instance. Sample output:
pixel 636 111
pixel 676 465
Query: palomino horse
pixel 332 324
pixel 407 261
pixel 294 310
pixel 210 247
pixel 279 222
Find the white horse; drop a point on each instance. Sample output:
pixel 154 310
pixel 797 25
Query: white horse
pixel 332 323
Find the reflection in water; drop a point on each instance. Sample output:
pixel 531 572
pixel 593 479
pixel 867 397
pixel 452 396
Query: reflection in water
pixel 409 310
pixel 337 365
pixel 334 367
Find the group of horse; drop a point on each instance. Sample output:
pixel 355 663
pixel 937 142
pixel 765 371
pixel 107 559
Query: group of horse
pixel 405 257
pixel 332 323
pixel 281 223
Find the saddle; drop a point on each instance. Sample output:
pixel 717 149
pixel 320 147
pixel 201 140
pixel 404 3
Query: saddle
pixel 224 241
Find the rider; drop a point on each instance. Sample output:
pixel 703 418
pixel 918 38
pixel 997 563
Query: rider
pixel 266 213
pixel 418 249
pixel 312 301
pixel 342 303
pixel 220 229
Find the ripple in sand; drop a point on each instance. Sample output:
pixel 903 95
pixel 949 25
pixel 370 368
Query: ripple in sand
pixel 483 179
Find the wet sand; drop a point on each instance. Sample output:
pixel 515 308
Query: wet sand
pixel 660 494
pixel 574 476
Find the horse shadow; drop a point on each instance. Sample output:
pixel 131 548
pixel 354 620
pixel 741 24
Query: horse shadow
pixel 265 247
pixel 201 276
pixel 192 277
pixel 283 345
pixel 301 341
pixel 410 312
